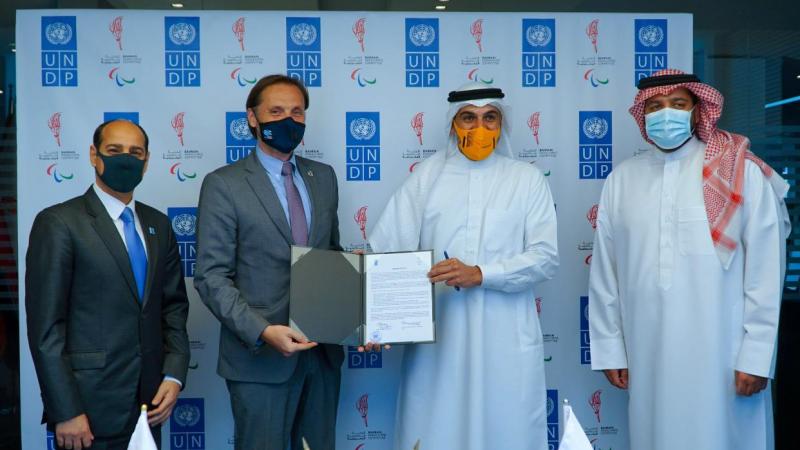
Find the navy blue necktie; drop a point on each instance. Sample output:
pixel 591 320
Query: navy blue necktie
pixel 135 250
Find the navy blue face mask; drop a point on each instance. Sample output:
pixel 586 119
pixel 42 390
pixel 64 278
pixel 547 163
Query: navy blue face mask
pixel 283 135
pixel 122 173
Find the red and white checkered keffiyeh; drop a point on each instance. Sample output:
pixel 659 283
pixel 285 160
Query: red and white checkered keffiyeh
pixel 723 166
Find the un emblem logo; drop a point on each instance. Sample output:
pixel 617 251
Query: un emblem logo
pixel 184 224
pixel 58 33
pixel 422 35
pixel 182 33
pixel 363 129
pixel 539 35
pixel 586 312
pixel 595 127
pixel 240 129
pixel 303 34
pixel 186 415
pixel 550 406
pixel 651 36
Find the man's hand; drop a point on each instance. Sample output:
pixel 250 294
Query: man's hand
pixel 74 433
pixel 748 385
pixel 286 340
pixel 455 273
pixel 164 401
pixel 617 377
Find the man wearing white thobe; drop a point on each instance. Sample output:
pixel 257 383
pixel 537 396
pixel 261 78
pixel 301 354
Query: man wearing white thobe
pixel 686 276
pixel 491 223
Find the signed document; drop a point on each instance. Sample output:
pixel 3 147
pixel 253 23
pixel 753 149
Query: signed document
pixel 398 297
pixel 349 299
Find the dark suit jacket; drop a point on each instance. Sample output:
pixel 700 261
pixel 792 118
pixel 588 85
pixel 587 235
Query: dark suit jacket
pixel 243 261
pixel 97 350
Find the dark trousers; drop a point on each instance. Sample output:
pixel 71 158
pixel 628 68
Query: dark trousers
pixel 270 416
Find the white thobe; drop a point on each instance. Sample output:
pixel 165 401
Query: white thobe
pixel 481 385
pixel 661 304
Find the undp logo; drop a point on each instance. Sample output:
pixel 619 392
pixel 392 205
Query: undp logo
pixel 595 149
pixel 650 47
pixel 363 152
pixel 586 355
pixel 552 418
pixel 187 425
pixel 422 35
pixel 595 127
pixel 303 34
pixel 58 33
pixel 363 129
pixel 240 130
pixel 422 52
pixel 651 35
pixel 539 35
pixel 184 224
pixel 59 51
pixel 182 33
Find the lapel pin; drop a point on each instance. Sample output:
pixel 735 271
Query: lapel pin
pixel 151 230
pixel 310 173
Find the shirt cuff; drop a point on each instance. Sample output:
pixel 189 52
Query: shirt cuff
pixel 755 358
pixel 608 354
pixel 492 275
pixel 169 378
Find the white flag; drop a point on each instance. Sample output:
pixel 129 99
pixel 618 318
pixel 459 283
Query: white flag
pixel 574 438
pixel 142 439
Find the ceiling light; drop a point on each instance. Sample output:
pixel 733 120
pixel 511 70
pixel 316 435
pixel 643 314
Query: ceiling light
pixel 1 92
pixel 441 7
pixel 177 5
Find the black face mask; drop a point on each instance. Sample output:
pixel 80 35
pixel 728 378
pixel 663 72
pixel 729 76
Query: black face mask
pixel 122 172
pixel 283 135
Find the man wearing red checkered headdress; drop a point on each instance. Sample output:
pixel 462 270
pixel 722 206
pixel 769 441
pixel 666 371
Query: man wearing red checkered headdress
pixel 686 277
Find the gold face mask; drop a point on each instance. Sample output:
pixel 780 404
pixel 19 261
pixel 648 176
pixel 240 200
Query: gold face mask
pixel 478 143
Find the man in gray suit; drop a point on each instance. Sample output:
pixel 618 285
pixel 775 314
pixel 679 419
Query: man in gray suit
pixel 282 387
pixel 106 303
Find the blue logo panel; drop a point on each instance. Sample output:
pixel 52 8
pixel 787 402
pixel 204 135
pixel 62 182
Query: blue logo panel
pixel 187 425
pixel 184 225
pixel 538 52
pixel 182 51
pixel 586 356
pixel 650 47
pixel 304 50
pixel 130 116
pixel 595 154
pixel 363 360
pixel 59 38
pixel 552 419
pixel 422 52
pixel 239 140
pixel 363 151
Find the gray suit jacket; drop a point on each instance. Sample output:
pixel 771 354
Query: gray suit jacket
pixel 243 261
pixel 97 349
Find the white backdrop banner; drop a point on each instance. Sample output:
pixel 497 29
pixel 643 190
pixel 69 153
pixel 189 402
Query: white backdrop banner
pixel 184 77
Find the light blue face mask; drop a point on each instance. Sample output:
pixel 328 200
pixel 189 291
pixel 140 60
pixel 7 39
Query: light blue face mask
pixel 669 128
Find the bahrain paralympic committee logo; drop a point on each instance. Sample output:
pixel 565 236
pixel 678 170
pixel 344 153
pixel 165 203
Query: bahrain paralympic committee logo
pixel 476 30
pixel 360 218
pixel 178 126
pixel 238 31
pixel 592 33
pixel 533 124
pixel 57 175
pixel 54 123
pixel 591 216
pixel 594 402
pixel 242 74
pixel 121 63
pixel 116 30
pixel 359 30
pixel 362 406
pixel 417 125
pixel 181 174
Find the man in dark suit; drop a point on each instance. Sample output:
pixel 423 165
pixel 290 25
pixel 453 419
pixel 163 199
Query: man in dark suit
pixel 282 386
pixel 106 303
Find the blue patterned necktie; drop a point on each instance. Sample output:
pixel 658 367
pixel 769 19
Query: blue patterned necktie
pixel 135 250
pixel 297 215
